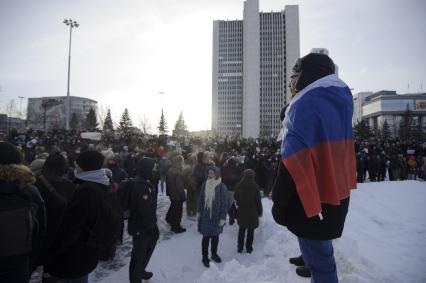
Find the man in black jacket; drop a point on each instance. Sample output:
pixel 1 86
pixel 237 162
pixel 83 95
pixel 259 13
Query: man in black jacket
pixel 143 220
pixel 318 169
pixel 86 222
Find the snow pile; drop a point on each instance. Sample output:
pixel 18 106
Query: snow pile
pixel 383 241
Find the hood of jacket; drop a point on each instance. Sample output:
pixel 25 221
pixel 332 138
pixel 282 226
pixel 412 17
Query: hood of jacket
pixel 12 176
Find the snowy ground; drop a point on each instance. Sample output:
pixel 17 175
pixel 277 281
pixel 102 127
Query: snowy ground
pixel 384 241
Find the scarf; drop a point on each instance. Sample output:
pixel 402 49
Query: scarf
pixel 211 184
pixel 96 176
pixel 317 147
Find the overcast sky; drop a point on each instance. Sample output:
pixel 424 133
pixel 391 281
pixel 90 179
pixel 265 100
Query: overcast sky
pixel 125 52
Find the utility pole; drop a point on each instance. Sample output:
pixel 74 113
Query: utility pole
pixel 72 24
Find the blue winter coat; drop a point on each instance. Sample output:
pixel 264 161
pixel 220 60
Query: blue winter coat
pixel 210 226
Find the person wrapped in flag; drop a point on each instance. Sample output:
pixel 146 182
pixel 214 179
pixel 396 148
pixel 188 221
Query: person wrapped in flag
pixel 318 169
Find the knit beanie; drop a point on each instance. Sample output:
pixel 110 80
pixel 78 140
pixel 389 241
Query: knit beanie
pixel 90 160
pixel 9 154
pixel 311 68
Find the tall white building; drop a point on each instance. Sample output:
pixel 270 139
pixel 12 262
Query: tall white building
pixel 252 63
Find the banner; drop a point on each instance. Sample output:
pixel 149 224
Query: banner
pixel 91 136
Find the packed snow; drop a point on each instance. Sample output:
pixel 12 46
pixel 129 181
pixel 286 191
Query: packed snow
pixel 384 241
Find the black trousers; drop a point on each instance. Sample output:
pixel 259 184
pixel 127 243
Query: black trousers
pixel 174 214
pixel 242 235
pixel 143 247
pixel 205 245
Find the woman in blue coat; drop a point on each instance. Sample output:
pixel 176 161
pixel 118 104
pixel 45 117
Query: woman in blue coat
pixel 212 210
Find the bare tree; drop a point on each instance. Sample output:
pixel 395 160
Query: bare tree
pixel 10 111
pixel 102 112
pixel 145 125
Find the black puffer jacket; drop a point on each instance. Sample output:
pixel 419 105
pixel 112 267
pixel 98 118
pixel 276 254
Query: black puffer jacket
pixel 247 197
pixel 288 211
pixel 74 256
pixel 142 207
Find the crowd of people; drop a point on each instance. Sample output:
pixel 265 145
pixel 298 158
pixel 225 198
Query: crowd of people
pixel 64 199
pixel 213 182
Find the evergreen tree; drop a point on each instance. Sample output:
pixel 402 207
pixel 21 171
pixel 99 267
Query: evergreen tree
pixel 162 127
pixel 108 126
pixel 406 126
pixel 74 123
pixel 362 131
pixel 125 122
pixel 386 133
pixel 91 120
pixel 377 133
pixel 180 127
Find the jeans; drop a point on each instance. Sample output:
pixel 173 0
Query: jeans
pixel 318 256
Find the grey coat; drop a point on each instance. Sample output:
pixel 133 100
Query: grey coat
pixel 210 226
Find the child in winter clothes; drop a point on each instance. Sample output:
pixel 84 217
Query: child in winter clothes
pixel 249 209
pixel 212 210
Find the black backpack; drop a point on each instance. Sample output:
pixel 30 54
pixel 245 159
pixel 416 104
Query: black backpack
pixel 108 226
pixel 17 221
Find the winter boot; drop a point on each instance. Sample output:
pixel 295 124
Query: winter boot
pixel 206 262
pixel 303 271
pixel 249 250
pixel 178 230
pixel 147 275
pixel 298 261
pixel 216 258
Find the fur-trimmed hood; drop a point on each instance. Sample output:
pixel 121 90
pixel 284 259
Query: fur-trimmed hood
pixel 16 173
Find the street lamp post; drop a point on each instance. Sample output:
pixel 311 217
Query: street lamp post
pixel 72 24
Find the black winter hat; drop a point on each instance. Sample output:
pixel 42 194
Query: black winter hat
pixel 311 68
pixel 144 167
pixel 90 160
pixel 55 165
pixel 9 154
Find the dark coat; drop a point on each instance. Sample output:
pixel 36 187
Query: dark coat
pixel 199 174
pixel 247 197
pixel 288 211
pixel 174 184
pixel 209 226
pixel 16 180
pixel 75 257
pixel 142 207
pixel 55 209
pixel 231 175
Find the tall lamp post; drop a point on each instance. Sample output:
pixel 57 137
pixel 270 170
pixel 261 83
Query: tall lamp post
pixel 72 24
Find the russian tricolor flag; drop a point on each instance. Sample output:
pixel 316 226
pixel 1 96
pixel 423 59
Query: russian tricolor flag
pixel 318 148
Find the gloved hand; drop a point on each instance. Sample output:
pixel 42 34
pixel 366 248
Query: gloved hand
pixel 221 222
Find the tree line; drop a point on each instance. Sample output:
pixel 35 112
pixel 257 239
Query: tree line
pixel 125 125
pixel 409 130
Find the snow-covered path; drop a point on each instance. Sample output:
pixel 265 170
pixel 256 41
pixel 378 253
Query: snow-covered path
pixel 383 241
